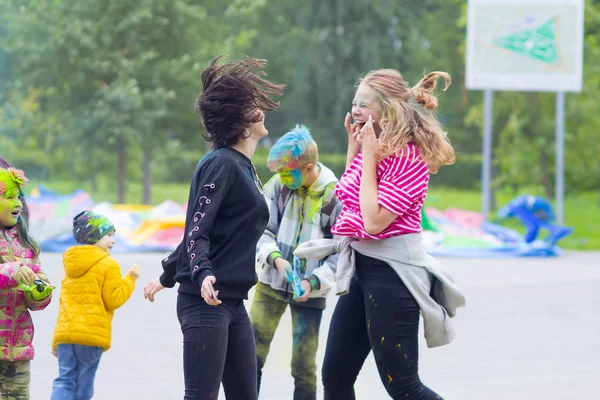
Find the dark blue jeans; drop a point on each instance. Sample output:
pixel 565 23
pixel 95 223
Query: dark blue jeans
pixel 378 313
pixel 218 345
pixel 77 366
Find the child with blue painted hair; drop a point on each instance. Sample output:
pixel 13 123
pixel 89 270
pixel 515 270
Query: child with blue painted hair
pixel 302 207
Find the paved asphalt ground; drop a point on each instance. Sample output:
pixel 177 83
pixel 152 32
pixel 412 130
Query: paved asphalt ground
pixel 531 330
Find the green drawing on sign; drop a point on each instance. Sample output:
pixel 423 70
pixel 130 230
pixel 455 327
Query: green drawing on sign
pixel 538 43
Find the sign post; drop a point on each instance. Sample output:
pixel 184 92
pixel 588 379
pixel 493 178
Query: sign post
pixel 486 167
pixel 560 157
pixel 524 45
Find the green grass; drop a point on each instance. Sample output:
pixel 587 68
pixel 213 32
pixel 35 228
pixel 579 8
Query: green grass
pixel 582 210
pixel 107 191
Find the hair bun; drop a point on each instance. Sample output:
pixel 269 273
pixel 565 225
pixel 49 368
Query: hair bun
pixel 423 92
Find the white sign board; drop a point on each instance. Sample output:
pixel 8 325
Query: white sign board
pixel 525 45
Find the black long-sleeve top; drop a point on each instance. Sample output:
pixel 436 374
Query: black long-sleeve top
pixel 226 216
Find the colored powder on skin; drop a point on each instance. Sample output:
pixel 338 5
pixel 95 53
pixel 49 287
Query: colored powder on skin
pixel 291 178
pixel 9 200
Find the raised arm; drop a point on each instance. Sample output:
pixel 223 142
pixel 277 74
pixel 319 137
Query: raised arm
pixel 116 289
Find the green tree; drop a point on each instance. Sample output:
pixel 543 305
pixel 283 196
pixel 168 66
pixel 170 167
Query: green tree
pixel 117 74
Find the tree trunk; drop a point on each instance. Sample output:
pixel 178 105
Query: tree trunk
pixel 122 163
pixel 94 181
pixel 496 128
pixel 536 130
pixel 147 176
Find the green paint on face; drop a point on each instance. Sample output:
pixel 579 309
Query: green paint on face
pixel 10 207
pixel 291 178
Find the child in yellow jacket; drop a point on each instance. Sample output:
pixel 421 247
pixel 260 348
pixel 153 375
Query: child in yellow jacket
pixel 91 291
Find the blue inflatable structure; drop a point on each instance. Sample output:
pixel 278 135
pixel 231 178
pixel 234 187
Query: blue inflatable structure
pixel 466 234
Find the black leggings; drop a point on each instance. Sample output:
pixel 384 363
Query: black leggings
pixel 378 314
pixel 218 345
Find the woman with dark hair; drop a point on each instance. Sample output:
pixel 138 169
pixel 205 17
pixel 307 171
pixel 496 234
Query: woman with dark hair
pixel 24 210
pixel 227 213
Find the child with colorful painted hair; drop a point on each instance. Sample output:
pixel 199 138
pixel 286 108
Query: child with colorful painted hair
pixel 302 206
pixel 91 291
pixel 21 276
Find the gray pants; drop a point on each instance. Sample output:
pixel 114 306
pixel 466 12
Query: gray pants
pixel 265 314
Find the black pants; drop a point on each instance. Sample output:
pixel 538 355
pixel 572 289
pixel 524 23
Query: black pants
pixel 378 314
pixel 218 345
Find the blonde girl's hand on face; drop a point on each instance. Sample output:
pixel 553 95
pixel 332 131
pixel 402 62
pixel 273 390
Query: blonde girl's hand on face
pixel 367 138
pixel 153 287
pixel 353 130
pixel 206 292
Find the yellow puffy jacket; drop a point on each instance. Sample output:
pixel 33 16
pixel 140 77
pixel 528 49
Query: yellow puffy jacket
pixel 91 291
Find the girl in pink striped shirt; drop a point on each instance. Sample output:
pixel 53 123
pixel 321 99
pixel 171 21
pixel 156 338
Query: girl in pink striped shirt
pixel 394 143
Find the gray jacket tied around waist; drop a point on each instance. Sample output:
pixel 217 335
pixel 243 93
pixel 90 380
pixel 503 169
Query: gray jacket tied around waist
pixel 427 280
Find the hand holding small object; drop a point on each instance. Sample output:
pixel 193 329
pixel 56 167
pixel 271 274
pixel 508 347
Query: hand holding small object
pixel 25 275
pixel 208 293
pixel 307 289
pixel 39 290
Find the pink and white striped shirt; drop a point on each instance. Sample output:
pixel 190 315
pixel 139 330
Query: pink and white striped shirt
pixel 402 185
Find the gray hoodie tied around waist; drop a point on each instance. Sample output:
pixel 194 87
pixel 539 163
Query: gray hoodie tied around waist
pixel 429 282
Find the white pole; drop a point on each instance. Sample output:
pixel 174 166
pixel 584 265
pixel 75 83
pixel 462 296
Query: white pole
pixel 486 166
pixel 560 158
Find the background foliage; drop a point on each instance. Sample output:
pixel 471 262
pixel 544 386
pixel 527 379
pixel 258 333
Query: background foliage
pixel 102 92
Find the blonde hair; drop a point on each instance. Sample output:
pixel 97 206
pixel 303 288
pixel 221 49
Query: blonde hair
pixel 402 121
